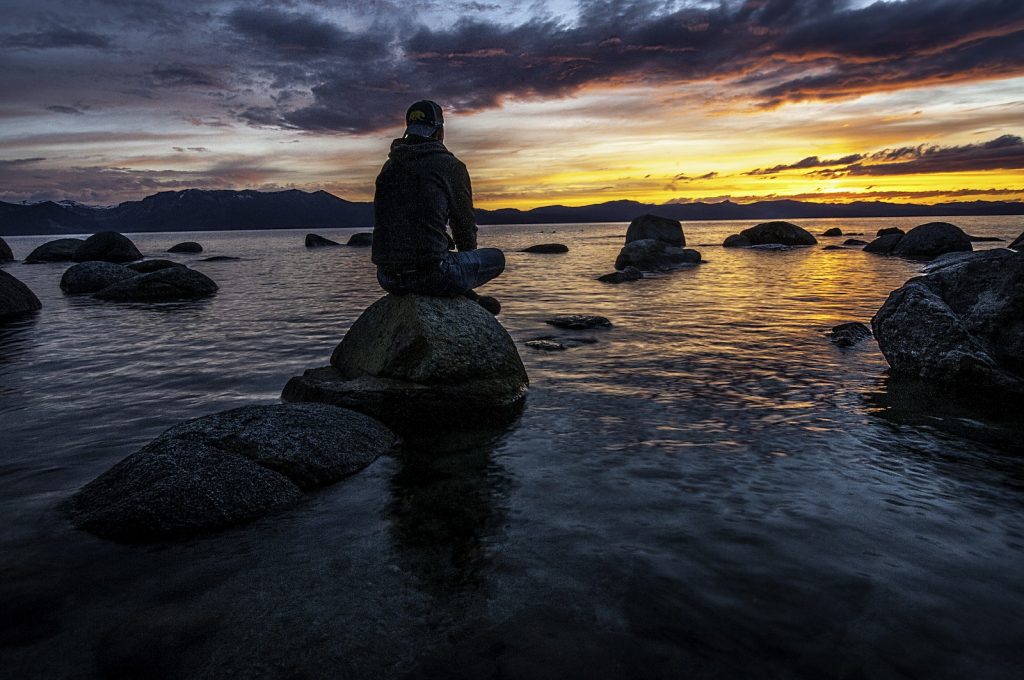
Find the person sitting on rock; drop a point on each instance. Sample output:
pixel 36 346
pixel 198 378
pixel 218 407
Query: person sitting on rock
pixel 421 190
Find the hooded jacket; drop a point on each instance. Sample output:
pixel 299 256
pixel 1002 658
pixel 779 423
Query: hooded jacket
pixel 422 188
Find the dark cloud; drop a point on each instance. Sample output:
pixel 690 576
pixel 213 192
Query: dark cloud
pixel 70 110
pixel 1003 153
pixel 809 162
pixel 299 35
pixel 182 76
pixel 55 38
pixel 683 177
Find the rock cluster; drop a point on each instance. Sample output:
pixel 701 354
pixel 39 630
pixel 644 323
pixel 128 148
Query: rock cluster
pixel 163 283
pixel 652 244
pixel 923 242
pixel 15 297
pixel 771 233
pixel 90 277
pixel 419 364
pixel 227 468
pixel 960 326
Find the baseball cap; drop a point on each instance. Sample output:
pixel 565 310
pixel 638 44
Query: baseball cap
pixel 423 118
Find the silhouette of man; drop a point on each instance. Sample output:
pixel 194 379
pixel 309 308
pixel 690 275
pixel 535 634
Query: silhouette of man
pixel 421 190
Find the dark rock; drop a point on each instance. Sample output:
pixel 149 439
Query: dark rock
pixel 422 363
pixel 316 241
pixel 771 246
pixel 220 258
pixel 61 250
pixel 89 277
pixel 546 248
pixel 786 233
pixel 662 229
pixel 736 241
pixel 834 248
pixel 849 334
pixel 186 247
pixel 652 255
pixel 15 297
pixel 107 246
pixel 164 285
pixel 930 240
pixel 960 327
pixel 147 266
pixel 361 240
pixel 948 259
pixel 984 239
pixel 545 345
pixel 227 468
pixel 5 252
pixel 562 342
pixel 627 274
pixel 883 245
pixel 1018 243
pixel 888 231
pixel 834 231
pixel 579 321
pixel 854 242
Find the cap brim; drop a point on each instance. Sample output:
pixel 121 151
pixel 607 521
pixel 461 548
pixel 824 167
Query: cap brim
pixel 421 129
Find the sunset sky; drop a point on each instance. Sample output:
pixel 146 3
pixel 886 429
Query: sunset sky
pixel 546 102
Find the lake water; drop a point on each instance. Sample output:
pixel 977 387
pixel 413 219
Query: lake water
pixel 711 490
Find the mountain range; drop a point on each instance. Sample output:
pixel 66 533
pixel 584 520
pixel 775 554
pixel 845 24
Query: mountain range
pixel 206 210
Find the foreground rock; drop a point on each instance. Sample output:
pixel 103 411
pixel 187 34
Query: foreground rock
pixel 960 327
pixel 186 247
pixel 662 229
pixel 90 277
pixel 628 273
pixel 651 255
pixel 164 285
pixel 15 297
pixel 546 248
pixel 147 266
pixel 60 250
pixel 930 240
pixel 849 334
pixel 225 469
pixel 317 241
pixel 421 364
pixel 107 246
pixel 1018 243
pixel 362 239
pixel 5 252
pixel 782 233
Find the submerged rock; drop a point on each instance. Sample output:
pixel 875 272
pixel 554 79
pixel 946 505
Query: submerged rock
pixel 652 255
pixel 984 239
pixel 579 321
pixel 220 258
pixel 225 469
pixel 422 363
pixel 107 246
pixel 317 241
pixel 662 229
pixel 147 266
pixel 834 248
pixel 736 241
pixel 883 245
pixel 361 239
pixel 545 345
pixel 15 297
pixel 960 327
pixel 627 274
pixel 5 252
pixel 164 285
pixel 546 248
pixel 849 334
pixel 186 247
pixel 89 277
pixel 854 242
pixel 785 233
pixel 771 246
pixel 834 231
pixel 60 250
pixel 930 240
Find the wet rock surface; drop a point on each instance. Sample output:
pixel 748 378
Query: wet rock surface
pixel 186 247
pixel 960 327
pixel 361 239
pixel 59 250
pixel 579 321
pixel 849 334
pixel 164 285
pixel 90 277
pixel 546 248
pixel 662 229
pixel 317 241
pixel 225 469
pixel 107 246
pixel 16 298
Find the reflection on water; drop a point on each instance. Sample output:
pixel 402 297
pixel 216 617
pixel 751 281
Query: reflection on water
pixel 710 489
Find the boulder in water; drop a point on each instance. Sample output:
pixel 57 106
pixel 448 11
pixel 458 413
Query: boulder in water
pixel 834 231
pixel 662 229
pixel 736 241
pixel 888 231
pixel 422 364
pixel 164 285
pixel 225 469
pixel 90 277
pixel 960 327
pixel 546 248
pixel 652 255
pixel 317 241
pixel 784 233
pixel 147 266
pixel 186 247
pixel 930 240
pixel 627 274
pixel 361 239
pixel 5 252
pixel 15 297
pixel 849 334
pixel 107 246
pixel 883 245
pixel 60 250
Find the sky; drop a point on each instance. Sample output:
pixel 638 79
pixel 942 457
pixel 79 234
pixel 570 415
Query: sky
pixel 568 102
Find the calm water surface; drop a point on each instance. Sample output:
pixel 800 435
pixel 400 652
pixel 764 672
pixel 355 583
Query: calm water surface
pixel 712 489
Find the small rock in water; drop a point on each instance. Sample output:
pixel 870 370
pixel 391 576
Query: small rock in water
pixel 545 345
pixel 849 334
pixel 107 246
pixel 771 246
pixel 778 232
pixel 854 242
pixel 186 247
pixel 628 274
pixel 834 231
pixel 220 258
pixel 89 277
pixel 147 266
pixel 317 241
pixel 164 285
pixel 888 231
pixel 579 321
pixel 60 250
pixel 984 239
pixel 547 248
pixel 361 239
pixel 15 297
pixel 6 255
pixel 834 248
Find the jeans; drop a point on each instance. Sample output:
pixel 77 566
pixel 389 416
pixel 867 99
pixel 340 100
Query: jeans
pixel 456 274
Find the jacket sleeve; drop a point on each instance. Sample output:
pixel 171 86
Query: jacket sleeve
pixel 461 216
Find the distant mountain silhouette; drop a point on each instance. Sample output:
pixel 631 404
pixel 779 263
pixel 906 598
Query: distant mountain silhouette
pixel 202 210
